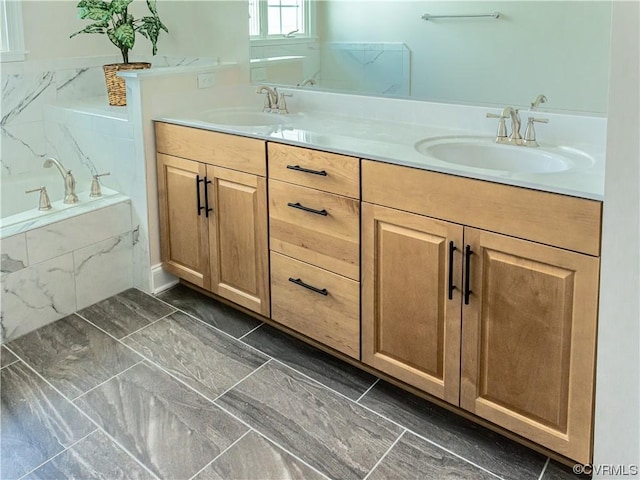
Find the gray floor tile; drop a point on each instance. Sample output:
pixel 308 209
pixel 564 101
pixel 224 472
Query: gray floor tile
pixel 6 357
pixel 37 422
pixel 126 312
pixel 169 428
pixel 73 355
pixel 328 370
pixel 219 315
pixel 557 471
pixel 414 458
pixel 202 357
pixel 255 458
pixel 473 442
pixel 95 457
pixel 331 433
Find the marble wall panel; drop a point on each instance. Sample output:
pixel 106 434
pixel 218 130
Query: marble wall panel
pixel 35 296
pixel 13 254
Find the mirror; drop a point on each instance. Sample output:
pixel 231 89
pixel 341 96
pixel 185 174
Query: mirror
pixel 387 48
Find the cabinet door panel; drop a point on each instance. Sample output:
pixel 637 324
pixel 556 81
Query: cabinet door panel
pixel 410 328
pixel 184 249
pixel 238 238
pixel 529 340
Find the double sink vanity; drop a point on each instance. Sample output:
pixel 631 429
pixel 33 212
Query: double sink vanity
pixel 461 268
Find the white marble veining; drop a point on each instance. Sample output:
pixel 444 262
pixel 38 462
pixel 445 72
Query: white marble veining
pixel 78 232
pixel 38 295
pixel 319 121
pixel 13 254
pixel 103 269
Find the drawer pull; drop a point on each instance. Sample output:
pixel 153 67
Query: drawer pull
pixel 297 205
pixel 467 291
pixel 452 287
pixel 306 170
pixel 297 281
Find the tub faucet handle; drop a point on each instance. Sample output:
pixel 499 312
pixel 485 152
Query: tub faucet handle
pixel 95 185
pixel 530 132
pixel 501 134
pixel 45 203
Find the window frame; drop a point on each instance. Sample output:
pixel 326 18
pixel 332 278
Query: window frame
pixel 13 32
pixel 310 25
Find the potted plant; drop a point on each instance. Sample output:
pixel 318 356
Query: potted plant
pixel 113 19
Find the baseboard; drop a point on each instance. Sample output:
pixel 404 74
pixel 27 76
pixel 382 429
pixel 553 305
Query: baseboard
pixel 161 280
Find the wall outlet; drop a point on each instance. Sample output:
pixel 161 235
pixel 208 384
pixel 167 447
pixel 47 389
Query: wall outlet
pixel 206 80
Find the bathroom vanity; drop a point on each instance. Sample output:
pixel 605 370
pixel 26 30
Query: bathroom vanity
pixel 478 293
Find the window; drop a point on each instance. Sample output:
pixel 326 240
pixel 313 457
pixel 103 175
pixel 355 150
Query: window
pixel 11 36
pixel 270 19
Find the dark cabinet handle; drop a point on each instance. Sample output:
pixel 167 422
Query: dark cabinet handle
pixel 206 198
pixel 452 287
pixel 297 281
pixel 297 205
pixel 306 170
pixel 198 180
pixel 467 291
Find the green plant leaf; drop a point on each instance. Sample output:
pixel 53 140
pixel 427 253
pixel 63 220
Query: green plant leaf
pixel 125 36
pixel 93 28
pixel 119 6
pixel 151 4
pixel 97 10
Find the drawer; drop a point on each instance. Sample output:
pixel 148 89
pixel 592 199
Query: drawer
pixel 331 317
pixel 550 218
pixel 329 172
pixel 221 149
pixel 328 236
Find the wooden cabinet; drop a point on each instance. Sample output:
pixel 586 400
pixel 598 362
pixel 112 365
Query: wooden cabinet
pixel 410 319
pixel 523 315
pixel 314 231
pixel 213 219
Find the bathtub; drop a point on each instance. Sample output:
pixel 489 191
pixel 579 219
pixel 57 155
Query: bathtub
pixel 56 262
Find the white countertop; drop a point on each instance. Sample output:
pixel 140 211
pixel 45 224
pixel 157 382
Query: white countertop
pixel 394 142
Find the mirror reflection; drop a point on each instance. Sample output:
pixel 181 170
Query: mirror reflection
pixel 459 53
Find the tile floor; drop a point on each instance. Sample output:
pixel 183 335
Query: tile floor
pixel 181 386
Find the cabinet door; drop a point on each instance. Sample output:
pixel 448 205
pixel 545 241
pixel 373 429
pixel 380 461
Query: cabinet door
pixel 238 238
pixel 528 340
pixel 410 326
pixel 183 226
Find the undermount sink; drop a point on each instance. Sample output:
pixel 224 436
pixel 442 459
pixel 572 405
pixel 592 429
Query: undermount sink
pixel 482 152
pixel 241 118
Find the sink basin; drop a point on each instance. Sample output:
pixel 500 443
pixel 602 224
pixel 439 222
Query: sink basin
pixel 241 118
pixel 484 153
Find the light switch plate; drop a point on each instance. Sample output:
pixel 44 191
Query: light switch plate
pixel 206 80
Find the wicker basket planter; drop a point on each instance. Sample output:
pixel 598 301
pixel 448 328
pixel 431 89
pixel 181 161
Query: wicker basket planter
pixel 116 87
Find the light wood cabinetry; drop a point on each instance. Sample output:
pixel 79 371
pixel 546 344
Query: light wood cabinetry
pixel 314 231
pixel 526 307
pixel 213 219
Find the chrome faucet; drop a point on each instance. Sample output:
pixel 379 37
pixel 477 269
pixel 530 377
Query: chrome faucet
pixel 270 99
pixel 69 182
pixel 308 81
pixel 515 137
pixel 538 100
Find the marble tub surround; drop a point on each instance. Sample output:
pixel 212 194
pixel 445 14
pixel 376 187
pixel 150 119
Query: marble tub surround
pixel 388 129
pixel 151 421
pixel 52 270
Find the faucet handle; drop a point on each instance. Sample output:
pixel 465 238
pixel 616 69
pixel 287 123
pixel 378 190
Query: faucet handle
pixel 501 134
pixel 530 132
pixel 282 103
pixel 45 203
pixel 95 185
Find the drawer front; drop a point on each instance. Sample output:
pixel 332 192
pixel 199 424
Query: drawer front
pixel 329 172
pixel 331 317
pixel 221 149
pixel 550 218
pixel 316 227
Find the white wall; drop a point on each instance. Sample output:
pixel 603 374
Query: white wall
pixel 499 62
pixel 196 28
pixel 617 419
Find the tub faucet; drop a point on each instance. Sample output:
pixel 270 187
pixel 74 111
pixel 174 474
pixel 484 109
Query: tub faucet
pixel 69 182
